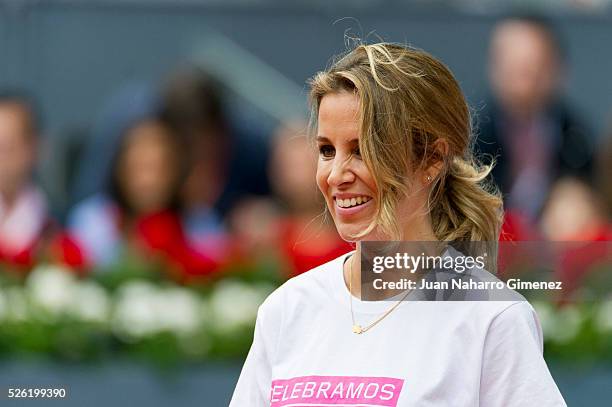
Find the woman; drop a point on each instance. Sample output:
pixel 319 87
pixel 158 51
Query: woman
pixel 393 130
pixel 139 214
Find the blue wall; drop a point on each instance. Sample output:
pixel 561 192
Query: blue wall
pixel 73 54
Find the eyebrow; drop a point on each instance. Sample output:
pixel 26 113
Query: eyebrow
pixel 323 139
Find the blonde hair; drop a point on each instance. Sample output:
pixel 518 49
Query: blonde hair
pixel 408 101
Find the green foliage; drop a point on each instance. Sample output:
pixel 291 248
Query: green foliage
pixel 131 311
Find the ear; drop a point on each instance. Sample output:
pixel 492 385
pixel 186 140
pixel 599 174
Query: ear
pixel 435 163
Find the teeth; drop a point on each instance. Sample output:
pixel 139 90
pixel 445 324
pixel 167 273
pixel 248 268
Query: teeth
pixel 347 203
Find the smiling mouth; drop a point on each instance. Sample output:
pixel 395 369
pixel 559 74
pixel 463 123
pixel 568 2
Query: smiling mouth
pixel 352 202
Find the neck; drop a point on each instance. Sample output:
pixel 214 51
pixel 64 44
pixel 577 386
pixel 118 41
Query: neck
pixel 418 227
pixel 352 272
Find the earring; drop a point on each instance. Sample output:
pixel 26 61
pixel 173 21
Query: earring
pixel 428 179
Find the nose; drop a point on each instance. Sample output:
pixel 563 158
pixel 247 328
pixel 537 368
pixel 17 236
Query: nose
pixel 341 172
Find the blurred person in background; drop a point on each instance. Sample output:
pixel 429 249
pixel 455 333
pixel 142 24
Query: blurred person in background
pixel 289 226
pixel 535 137
pixel 139 211
pixel 574 211
pixel 579 211
pixel 227 165
pixel 27 231
pixel 130 100
pixel 306 239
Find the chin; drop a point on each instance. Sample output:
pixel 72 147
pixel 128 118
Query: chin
pixel 349 233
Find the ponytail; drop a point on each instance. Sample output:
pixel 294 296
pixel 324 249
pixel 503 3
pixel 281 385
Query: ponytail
pixel 466 207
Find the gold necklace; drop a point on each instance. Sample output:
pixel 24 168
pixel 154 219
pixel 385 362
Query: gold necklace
pixel 358 329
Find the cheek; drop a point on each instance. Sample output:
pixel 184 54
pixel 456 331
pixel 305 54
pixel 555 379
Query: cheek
pixel 366 178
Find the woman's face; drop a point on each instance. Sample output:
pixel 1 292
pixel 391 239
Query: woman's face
pixel 147 168
pixel 342 176
pixel 347 184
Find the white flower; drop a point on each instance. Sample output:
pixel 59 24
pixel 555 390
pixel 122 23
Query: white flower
pixel 90 302
pixel 135 313
pixel 57 291
pixel 179 310
pixel 234 304
pixel 603 318
pixel 51 288
pixel 144 309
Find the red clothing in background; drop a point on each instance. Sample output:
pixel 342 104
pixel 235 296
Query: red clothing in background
pixel 306 251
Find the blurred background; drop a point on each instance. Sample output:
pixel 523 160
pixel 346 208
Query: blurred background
pixel 156 182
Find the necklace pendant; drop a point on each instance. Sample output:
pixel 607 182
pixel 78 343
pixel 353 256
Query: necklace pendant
pixel 357 329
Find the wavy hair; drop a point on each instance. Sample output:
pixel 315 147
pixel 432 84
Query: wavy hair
pixel 409 101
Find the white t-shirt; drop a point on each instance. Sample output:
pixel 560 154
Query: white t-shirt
pixel 424 353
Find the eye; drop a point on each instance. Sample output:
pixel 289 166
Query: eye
pixel 326 151
pixel 357 152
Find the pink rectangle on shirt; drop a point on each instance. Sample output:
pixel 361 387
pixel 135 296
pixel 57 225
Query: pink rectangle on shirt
pixel 310 391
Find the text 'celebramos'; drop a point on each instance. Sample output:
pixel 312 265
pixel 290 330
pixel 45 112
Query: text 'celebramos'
pixel 413 263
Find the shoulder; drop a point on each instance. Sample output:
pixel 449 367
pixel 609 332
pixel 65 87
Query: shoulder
pixel 512 326
pixel 514 315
